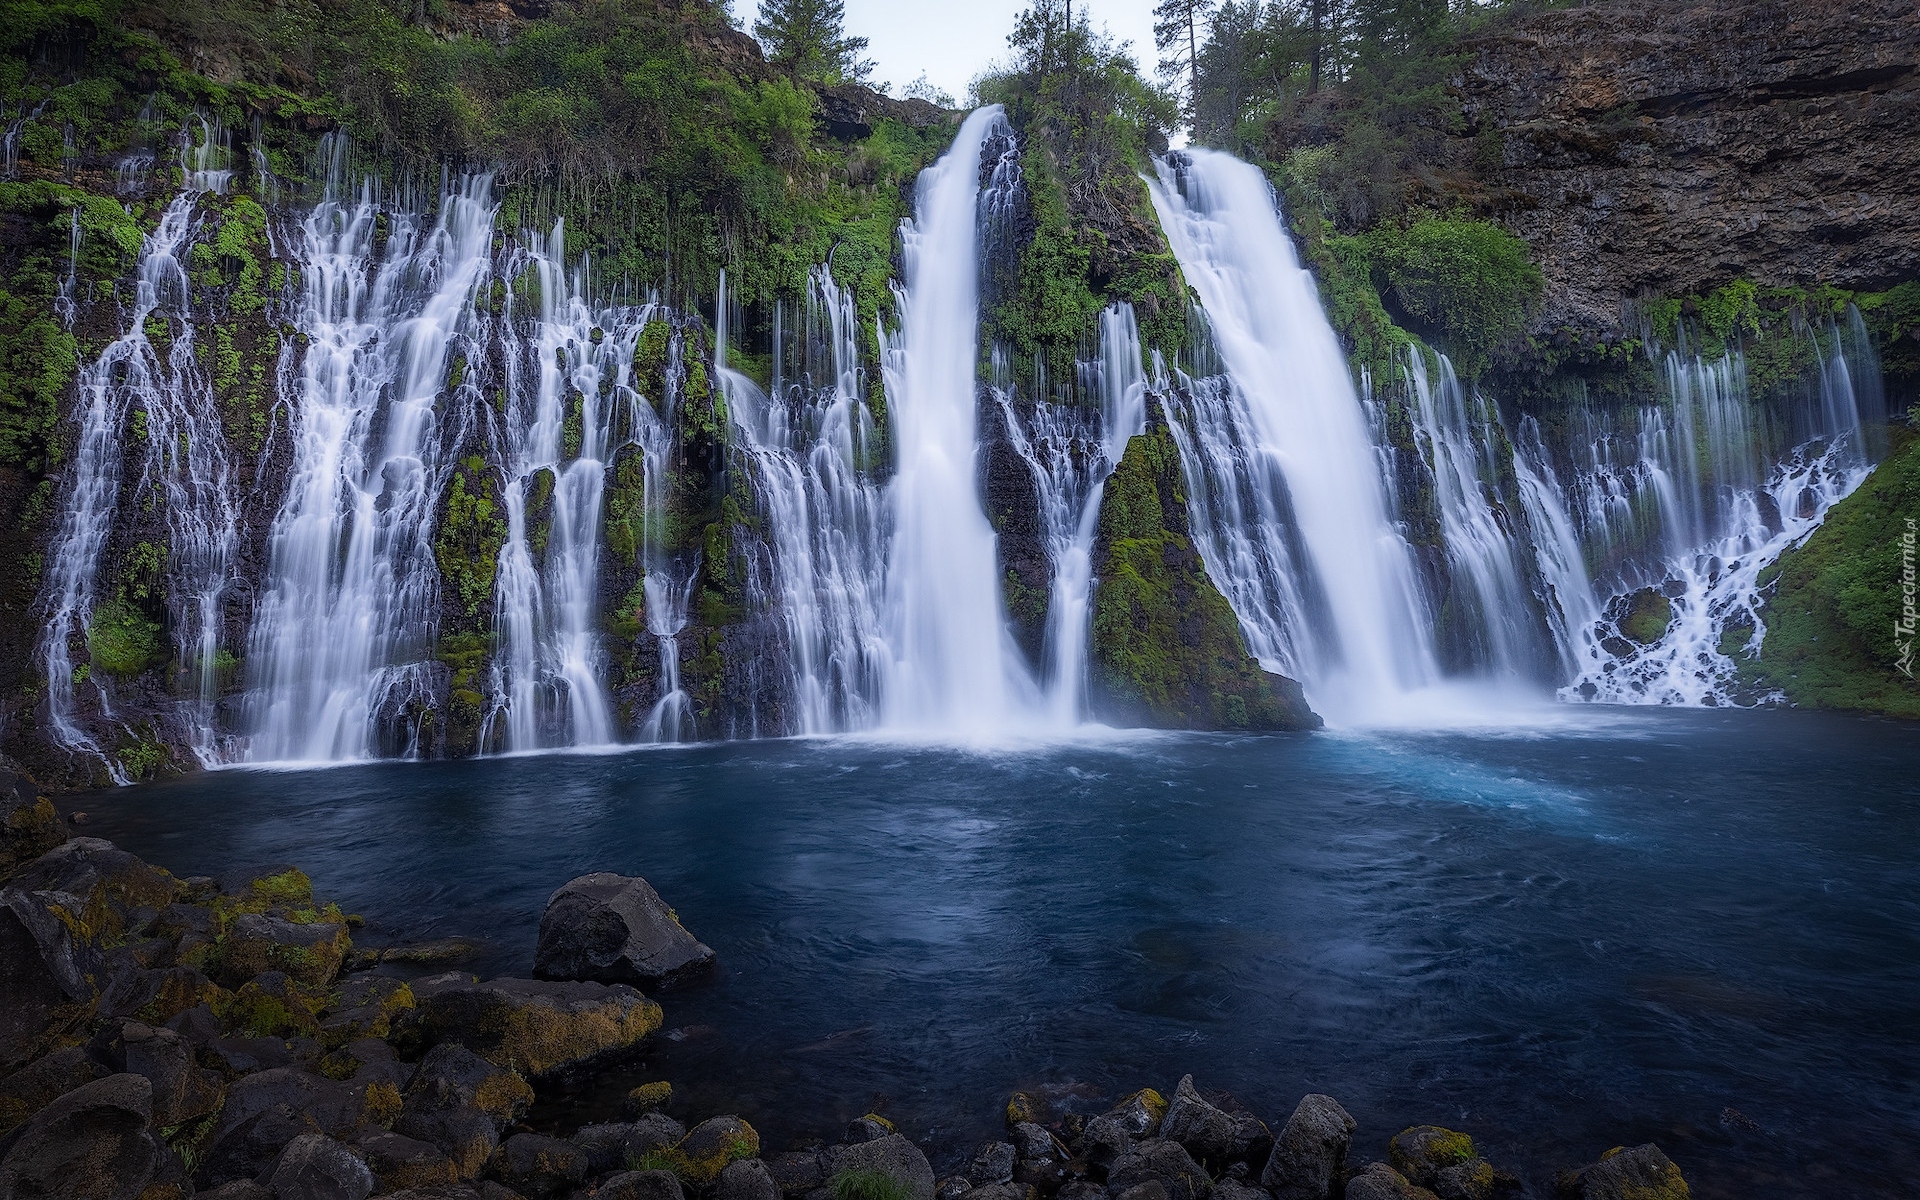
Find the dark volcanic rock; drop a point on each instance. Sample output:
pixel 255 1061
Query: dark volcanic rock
pixel 641 1185
pixel 992 1163
pixel 1378 1181
pixel 45 971
pixel 399 1162
pixel 1206 1132
pixel 1160 1161
pixel 712 1144
pixel 1670 148
pixel 451 1076
pixel 537 1167
pixel 747 1179
pixel 614 929
pixel 893 1156
pixel 29 826
pixel 1423 1151
pixel 33 1087
pixel 90 1144
pixel 310 954
pixel 1310 1155
pixel 315 1167
pixel 1637 1173
pixel 533 1026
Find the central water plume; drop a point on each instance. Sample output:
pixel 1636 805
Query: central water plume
pixel 955 670
pixel 344 630
pixel 1290 512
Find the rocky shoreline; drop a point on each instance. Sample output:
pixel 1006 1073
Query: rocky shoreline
pixel 162 1038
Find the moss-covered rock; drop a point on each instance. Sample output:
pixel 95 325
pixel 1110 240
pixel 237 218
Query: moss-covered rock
pixel 1167 650
pixel 533 1027
pixel 1842 623
pixel 1648 613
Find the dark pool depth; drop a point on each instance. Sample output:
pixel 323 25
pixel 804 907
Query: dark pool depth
pixel 1695 928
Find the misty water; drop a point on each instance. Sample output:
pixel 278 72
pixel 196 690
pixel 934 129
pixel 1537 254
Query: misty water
pixel 1560 932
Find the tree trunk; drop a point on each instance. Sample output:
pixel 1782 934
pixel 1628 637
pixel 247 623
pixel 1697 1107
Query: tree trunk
pixel 1313 71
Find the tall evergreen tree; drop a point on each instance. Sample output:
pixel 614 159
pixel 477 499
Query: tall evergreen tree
pixel 1177 32
pixel 809 38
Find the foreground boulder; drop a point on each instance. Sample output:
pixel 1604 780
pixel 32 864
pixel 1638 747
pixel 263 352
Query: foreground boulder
pixel 1159 1161
pixel 533 1026
pixel 1310 1155
pixel 315 1167
pixel 1378 1181
pixel 29 827
pixel 615 929
pixel 893 1156
pixel 90 1144
pixel 1639 1173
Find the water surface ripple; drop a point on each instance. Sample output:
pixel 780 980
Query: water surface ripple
pixel 1698 928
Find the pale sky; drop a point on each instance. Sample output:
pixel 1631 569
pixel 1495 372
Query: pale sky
pixel 954 40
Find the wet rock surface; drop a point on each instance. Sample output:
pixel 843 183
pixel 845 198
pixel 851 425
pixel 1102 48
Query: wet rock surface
pixel 615 929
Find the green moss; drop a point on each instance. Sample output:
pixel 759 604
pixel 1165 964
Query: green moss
pixel 868 1185
pixel 1470 283
pixel 1648 615
pixel 1166 648
pixel 471 533
pixel 122 641
pixel 1837 630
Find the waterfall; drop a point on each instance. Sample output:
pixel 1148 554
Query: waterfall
pixel 1489 604
pixel 1715 487
pixel 345 623
pixel 955 668
pixel 1071 449
pixel 562 426
pixel 161 398
pixel 808 446
pixel 1289 510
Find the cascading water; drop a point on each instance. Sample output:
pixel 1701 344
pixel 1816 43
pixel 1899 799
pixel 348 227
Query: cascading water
pixel 345 624
pixel 160 395
pixel 1071 449
pixel 955 669
pixel 1490 607
pixel 809 445
pixel 1288 506
pixel 1702 493
pixel 563 426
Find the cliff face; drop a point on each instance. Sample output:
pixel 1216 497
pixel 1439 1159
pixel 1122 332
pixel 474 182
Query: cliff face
pixel 1666 149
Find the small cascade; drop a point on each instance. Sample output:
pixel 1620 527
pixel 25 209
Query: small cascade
pixel 810 446
pixel 1558 556
pixel 10 140
pixel 1288 505
pixel 1717 487
pixel 1489 606
pixel 563 426
pixel 159 396
pixel 1071 449
pixel 345 622
pixel 955 670
pixel 64 302
pixel 671 719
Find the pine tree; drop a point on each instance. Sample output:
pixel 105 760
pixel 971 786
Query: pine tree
pixel 1177 34
pixel 809 38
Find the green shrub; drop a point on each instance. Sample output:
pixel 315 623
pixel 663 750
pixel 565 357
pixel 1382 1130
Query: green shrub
pixel 868 1184
pixel 1469 282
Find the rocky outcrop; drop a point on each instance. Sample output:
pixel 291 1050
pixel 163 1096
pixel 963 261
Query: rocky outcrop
pixel 1668 148
pixel 1167 649
pixel 615 929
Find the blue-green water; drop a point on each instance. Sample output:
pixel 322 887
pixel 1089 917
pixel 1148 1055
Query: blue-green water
pixel 1693 927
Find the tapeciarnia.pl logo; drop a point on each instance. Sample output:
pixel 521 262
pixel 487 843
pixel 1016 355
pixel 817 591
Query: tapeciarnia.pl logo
pixel 1909 620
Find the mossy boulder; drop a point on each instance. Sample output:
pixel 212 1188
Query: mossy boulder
pixel 1648 613
pixel 1167 649
pixel 308 953
pixel 710 1146
pixel 1623 1173
pixel 1423 1151
pixel 533 1026
pixel 1838 630
pixel 29 826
